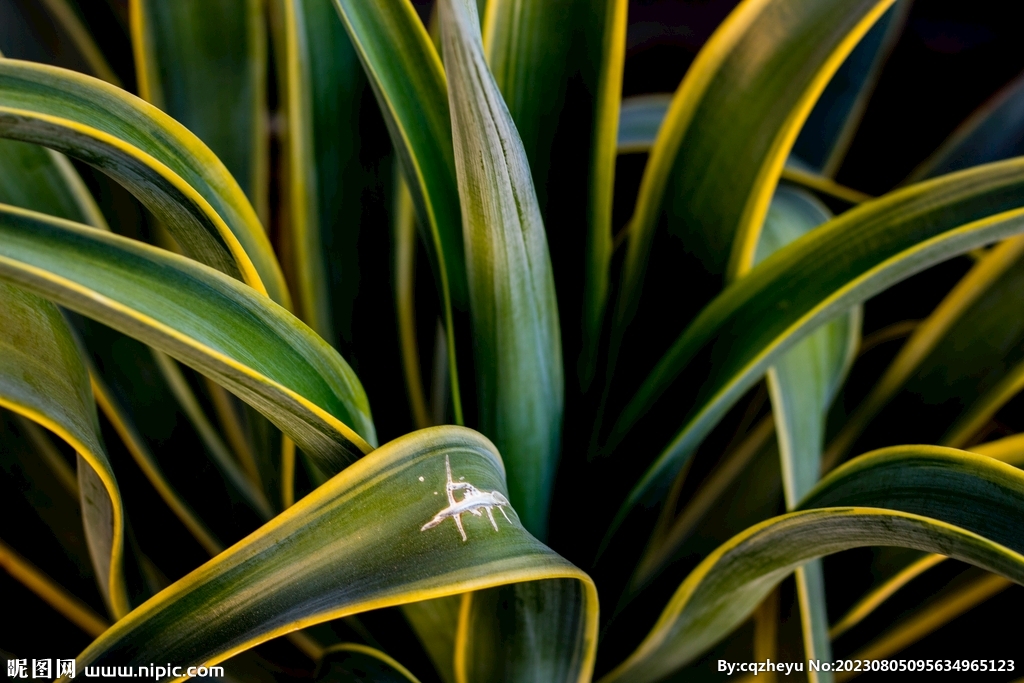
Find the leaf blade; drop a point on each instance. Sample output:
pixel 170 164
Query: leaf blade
pixel 511 284
pixel 200 317
pixel 866 502
pixel 165 166
pixel 257 576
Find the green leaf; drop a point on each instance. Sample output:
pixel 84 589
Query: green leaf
pixel 562 87
pixel 169 169
pixel 206 320
pixel 315 561
pixel 730 127
pixel 813 279
pixel 639 121
pixel 802 384
pixel 42 377
pixel 924 497
pixel 517 340
pixel 204 62
pixel 599 245
pixel 407 77
pixel 409 82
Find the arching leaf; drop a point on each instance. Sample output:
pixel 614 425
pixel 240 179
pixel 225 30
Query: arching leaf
pixel 201 317
pixel 315 561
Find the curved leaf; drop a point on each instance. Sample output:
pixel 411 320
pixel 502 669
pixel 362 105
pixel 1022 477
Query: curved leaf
pixel 42 377
pixel 174 174
pixel 731 124
pixel 518 349
pixel 409 82
pixel 201 317
pixel 922 497
pixel 204 62
pixel 830 269
pixel 315 561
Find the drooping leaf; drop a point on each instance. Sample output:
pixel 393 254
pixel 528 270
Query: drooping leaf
pixel 804 284
pixel 170 170
pixel 42 377
pixel 924 497
pixel 204 62
pixel 199 316
pixel 730 127
pixel 315 561
pixel 517 340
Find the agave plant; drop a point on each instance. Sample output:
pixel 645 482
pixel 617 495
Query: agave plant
pixel 585 388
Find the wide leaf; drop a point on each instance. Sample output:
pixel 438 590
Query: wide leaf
pixel 168 168
pixel 924 497
pixel 832 268
pixel 315 562
pixel 203 318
